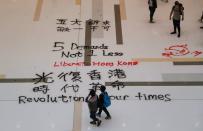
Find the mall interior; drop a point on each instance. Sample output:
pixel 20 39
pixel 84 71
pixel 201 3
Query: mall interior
pixel 148 54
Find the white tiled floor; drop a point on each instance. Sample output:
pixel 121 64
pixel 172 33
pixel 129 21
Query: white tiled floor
pixel 26 49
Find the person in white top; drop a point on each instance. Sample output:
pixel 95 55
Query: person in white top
pixel 177 13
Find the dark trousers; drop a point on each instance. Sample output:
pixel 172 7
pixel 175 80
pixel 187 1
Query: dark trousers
pixel 176 25
pixel 151 10
pixel 103 109
pixel 93 116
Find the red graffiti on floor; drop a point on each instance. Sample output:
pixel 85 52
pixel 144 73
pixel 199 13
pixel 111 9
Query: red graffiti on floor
pixel 180 50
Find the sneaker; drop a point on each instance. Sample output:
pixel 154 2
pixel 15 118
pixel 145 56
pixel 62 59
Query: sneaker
pixel 93 122
pixel 178 35
pixel 99 115
pixel 151 21
pixel 99 123
pixel 173 32
pixel 108 117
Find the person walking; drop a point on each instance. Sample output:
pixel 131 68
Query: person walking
pixel 92 100
pixel 177 12
pixel 152 7
pixel 104 102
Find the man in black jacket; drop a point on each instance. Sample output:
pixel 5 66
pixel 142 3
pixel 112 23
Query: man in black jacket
pixel 101 103
pixel 152 7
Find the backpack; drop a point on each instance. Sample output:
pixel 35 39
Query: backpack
pixel 93 103
pixel 181 8
pixel 107 100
